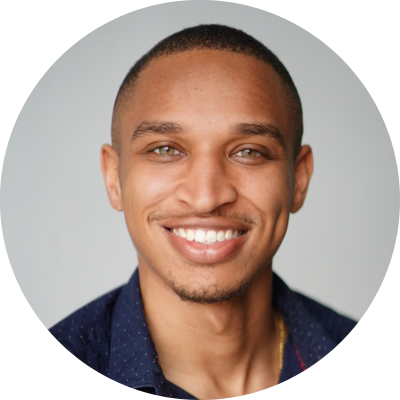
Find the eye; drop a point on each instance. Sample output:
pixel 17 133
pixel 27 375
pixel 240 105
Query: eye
pixel 167 151
pixel 248 153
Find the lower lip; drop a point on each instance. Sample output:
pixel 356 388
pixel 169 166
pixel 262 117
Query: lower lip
pixel 206 253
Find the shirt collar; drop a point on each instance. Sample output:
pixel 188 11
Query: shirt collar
pixel 133 357
pixel 311 341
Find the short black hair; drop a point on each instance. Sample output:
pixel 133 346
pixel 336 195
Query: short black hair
pixel 213 37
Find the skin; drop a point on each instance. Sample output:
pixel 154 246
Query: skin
pixel 206 178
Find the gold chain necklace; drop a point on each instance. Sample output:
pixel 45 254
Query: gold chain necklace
pixel 281 340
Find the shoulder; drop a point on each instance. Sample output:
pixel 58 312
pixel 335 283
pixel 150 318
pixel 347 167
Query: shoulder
pixel 305 316
pixel 336 326
pixel 90 326
pixel 315 329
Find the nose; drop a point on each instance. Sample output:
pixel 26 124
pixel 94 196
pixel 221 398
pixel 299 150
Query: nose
pixel 206 184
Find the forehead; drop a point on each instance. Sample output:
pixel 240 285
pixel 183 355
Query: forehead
pixel 220 87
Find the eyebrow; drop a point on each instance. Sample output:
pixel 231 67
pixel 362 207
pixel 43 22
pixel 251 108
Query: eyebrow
pixel 159 127
pixel 267 130
pixel 147 128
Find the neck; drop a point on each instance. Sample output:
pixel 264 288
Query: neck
pixel 214 350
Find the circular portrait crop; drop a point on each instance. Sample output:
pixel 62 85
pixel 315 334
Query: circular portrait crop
pixel 148 187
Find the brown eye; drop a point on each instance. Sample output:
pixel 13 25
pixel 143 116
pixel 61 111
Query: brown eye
pixel 167 151
pixel 248 153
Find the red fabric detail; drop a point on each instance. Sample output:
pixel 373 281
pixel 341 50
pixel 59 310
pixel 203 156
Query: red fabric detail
pixel 170 393
pixel 303 367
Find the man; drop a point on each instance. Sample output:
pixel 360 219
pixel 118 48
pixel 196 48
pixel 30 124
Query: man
pixel 206 163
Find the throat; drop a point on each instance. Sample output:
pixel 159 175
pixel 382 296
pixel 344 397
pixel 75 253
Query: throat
pixel 216 350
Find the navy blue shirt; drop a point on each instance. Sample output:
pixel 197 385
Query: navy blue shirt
pixel 111 335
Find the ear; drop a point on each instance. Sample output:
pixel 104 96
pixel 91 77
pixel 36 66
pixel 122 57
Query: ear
pixel 110 167
pixel 303 169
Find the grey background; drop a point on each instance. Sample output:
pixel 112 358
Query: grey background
pixel 67 245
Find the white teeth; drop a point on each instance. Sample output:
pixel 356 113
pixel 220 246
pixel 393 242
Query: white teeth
pixel 182 233
pixel 221 236
pixel 200 236
pixel 211 237
pixel 189 235
pixel 205 237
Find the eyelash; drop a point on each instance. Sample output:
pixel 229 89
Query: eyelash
pixel 166 147
pixel 258 154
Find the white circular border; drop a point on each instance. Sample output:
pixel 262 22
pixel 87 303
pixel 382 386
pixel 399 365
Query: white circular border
pixel 35 34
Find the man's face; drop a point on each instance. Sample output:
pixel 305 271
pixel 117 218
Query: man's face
pixel 206 171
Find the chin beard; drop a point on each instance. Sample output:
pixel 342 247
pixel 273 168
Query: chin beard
pixel 210 294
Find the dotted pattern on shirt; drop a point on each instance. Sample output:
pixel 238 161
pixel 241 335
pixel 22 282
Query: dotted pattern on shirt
pixel 134 360
pixel 87 332
pixel 111 335
pixel 316 330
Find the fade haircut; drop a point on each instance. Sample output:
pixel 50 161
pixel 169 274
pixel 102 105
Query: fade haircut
pixel 211 37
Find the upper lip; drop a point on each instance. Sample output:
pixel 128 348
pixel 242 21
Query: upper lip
pixel 207 223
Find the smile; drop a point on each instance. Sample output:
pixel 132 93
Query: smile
pixel 207 237
pixel 206 245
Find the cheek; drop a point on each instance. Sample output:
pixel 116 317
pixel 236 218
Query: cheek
pixel 269 191
pixel 143 187
pixel 144 190
pixel 270 195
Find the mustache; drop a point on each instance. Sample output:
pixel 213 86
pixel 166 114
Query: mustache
pixel 247 218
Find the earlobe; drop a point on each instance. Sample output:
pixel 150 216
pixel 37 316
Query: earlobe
pixel 304 165
pixel 110 167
